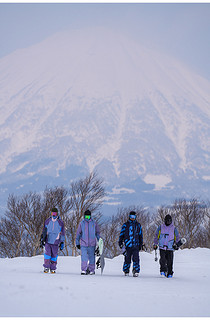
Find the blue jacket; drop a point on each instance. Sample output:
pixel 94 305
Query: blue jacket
pixel 55 231
pixel 131 234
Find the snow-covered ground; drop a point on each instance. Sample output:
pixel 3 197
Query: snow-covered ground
pixel 26 291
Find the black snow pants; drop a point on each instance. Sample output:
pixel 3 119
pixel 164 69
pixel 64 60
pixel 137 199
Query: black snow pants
pixel 131 253
pixel 166 261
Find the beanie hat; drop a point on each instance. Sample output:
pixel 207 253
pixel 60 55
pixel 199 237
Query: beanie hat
pixel 168 220
pixel 54 212
pixel 87 213
pixel 132 215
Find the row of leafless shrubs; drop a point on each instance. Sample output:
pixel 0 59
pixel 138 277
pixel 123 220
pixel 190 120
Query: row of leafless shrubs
pixel 21 225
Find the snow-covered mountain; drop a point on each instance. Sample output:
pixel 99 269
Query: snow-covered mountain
pixel 95 99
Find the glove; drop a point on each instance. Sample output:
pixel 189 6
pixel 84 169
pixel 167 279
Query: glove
pixel 78 246
pixel 175 247
pixel 62 246
pixel 125 253
pixel 155 246
pixel 144 247
pixel 42 243
pixel 120 245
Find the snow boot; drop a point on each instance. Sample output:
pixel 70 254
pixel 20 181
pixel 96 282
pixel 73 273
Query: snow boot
pixel 52 271
pixel 92 272
pixel 163 274
pixel 135 273
pixel 87 271
pixel 46 270
pixel 83 273
pixel 126 274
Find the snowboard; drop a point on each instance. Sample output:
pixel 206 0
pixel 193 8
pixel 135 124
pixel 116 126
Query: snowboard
pixel 100 263
pixel 181 242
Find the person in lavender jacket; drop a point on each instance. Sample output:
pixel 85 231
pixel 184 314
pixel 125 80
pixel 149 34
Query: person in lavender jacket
pixel 53 237
pixel 87 233
pixel 166 237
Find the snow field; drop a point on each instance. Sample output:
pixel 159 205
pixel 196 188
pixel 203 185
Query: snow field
pixel 27 291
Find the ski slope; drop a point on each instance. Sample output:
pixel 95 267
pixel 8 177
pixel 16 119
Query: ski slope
pixel 27 291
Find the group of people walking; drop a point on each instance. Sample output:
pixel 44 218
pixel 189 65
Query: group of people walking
pixel 88 233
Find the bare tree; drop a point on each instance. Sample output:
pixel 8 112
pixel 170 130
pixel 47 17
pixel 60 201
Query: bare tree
pixel 188 217
pixel 110 234
pixel 21 228
pixel 161 213
pixel 113 225
pixel 11 238
pixel 10 234
pixel 85 194
pixel 202 238
pixel 207 226
pixel 21 225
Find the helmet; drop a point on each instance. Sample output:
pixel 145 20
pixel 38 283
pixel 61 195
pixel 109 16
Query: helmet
pixel 168 220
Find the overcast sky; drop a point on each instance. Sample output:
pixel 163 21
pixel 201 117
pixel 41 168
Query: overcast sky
pixel 182 30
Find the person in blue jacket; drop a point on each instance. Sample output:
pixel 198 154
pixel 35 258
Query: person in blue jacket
pixel 132 237
pixel 53 237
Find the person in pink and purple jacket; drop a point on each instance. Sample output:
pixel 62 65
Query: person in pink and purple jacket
pixel 166 237
pixel 53 237
pixel 87 234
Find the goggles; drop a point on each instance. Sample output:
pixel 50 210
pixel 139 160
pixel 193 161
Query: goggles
pixel 54 214
pixel 132 216
pixel 87 217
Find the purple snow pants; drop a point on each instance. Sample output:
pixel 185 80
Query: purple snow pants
pixel 50 256
pixel 88 254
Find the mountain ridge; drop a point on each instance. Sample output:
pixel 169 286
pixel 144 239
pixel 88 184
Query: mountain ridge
pixel 100 101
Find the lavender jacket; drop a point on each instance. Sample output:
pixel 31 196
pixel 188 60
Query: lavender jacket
pixel 55 231
pixel 166 236
pixel 87 233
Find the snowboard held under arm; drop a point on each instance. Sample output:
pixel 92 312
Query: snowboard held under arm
pixel 100 263
pixel 180 243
